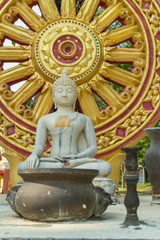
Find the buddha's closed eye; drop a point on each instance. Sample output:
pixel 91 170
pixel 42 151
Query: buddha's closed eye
pixel 59 90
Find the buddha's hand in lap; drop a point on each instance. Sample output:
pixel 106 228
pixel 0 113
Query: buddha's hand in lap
pixel 72 161
pixel 69 160
pixel 71 157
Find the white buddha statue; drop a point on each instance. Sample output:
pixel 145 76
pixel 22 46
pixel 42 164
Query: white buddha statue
pixel 72 133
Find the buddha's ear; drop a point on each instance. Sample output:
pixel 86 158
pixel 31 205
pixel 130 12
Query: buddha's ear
pixel 55 105
pixel 74 104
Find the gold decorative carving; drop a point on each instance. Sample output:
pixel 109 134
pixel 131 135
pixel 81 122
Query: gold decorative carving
pixel 15 53
pixel 30 17
pixel 87 10
pixel 49 10
pixel 18 136
pixel 68 9
pixel 135 119
pixel 107 17
pixel 14 160
pixel 12 74
pixel 68 45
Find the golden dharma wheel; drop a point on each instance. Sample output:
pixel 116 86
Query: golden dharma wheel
pixel 92 48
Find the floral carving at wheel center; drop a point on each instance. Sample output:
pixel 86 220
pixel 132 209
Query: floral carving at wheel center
pixel 69 44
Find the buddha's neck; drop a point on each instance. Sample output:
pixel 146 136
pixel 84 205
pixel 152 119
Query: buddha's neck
pixel 64 109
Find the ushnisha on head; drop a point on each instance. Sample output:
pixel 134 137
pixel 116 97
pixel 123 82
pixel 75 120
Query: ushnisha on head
pixel 64 80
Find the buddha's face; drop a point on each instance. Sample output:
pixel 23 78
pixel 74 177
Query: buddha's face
pixel 64 95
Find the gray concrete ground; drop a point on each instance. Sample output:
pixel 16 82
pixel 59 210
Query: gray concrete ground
pixel 108 227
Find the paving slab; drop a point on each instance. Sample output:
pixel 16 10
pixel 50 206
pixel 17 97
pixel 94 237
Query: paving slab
pixel 107 227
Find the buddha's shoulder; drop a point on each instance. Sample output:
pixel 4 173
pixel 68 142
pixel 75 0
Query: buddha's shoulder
pixel 83 117
pixel 47 117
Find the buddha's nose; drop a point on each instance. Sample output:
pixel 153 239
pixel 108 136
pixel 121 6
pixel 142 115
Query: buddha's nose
pixel 64 93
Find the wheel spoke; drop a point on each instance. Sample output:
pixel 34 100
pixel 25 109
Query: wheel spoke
pixel 32 85
pixel 49 9
pixel 118 75
pixel 30 17
pixel 87 10
pixel 88 103
pixel 101 22
pixel 44 103
pixel 68 9
pixel 15 53
pixel 115 54
pixel 108 94
pixel 22 70
pixel 14 32
pixel 116 36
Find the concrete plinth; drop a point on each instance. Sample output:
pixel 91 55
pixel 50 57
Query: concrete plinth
pixel 106 227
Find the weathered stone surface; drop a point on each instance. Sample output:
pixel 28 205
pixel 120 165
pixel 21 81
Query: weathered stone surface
pixel 59 194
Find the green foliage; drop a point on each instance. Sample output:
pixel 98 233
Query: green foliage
pixel 126 67
pixel 99 11
pixel 126 44
pixel 30 103
pixel 157 124
pixel 116 24
pixel 117 88
pixel 144 144
pixel 102 105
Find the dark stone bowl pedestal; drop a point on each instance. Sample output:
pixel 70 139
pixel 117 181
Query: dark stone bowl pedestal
pixel 57 194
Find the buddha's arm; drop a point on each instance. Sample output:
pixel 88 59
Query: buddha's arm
pixel 41 137
pixel 90 137
pixel 90 141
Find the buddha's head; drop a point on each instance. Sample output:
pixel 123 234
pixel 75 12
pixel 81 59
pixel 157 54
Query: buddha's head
pixel 64 91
